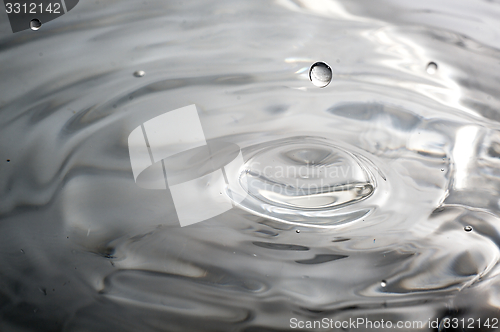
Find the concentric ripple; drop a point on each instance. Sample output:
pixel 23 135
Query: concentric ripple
pixel 303 179
pixel 307 176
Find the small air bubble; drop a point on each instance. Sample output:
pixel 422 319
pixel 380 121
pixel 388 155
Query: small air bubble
pixel 35 24
pixel 383 283
pixel 297 231
pixel 139 73
pixel 442 169
pixel 320 74
pixel 432 68
pixel 468 228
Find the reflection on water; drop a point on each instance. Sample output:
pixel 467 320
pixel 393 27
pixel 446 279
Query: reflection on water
pixel 375 196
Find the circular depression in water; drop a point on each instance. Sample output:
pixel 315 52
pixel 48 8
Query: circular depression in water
pixel 306 181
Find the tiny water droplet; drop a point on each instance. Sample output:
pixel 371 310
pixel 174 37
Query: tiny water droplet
pixel 298 231
pixel 468 228
pixel 432 68
pixel 383 283
pixel 35 24
pixel 320 74
pixel 442 169
pixel 139 73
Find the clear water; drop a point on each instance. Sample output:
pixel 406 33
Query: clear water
pixel 407 228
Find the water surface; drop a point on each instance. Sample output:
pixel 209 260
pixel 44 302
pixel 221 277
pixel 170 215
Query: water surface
pixel 383 170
